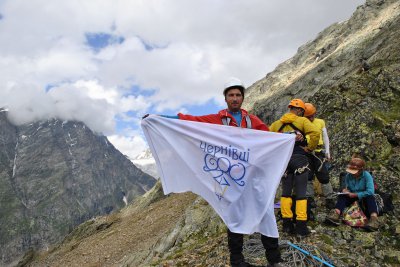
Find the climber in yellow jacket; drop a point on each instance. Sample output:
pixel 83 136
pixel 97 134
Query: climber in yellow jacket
pixel 296 175
pixel 318 160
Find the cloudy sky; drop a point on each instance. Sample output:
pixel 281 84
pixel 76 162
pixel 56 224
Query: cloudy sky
pixel 108 62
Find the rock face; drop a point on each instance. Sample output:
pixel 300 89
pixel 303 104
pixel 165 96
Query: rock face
pixel 55 175
pixel 351 73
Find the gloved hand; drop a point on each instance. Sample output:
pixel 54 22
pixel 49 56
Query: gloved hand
pixel 145 116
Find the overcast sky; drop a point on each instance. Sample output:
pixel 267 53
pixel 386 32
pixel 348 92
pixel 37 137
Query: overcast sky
pixel 107 63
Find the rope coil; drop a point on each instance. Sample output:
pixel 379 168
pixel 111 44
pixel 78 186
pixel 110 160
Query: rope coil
pixel 299 255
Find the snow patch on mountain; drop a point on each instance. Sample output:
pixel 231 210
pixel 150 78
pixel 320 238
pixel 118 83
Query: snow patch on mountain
pixel 146 162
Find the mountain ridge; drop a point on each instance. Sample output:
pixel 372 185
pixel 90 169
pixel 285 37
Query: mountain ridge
pixel 307 68
pixel 55 175
pixel 362 109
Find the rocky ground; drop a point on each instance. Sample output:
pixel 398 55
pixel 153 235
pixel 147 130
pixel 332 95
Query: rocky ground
pixel 182 230
pixel 342 246
pixel 127 235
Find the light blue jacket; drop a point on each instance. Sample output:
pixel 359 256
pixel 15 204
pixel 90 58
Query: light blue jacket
pixel 363 186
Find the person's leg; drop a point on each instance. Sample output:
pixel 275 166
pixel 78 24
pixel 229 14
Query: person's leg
pixel 372 211
pixel 371 205
pixel 310 189
pixel 310 184
pixel 343 202
pixel 286 203
pixel 322 175
pixel 272 252
pixel 301 205
pixel 301 177
pixel 311 173
pixel 235 245
pixel 335 215
pixel 327 191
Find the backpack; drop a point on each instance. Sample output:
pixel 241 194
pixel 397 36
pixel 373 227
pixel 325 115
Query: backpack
pixel 384 201
pixel 354 216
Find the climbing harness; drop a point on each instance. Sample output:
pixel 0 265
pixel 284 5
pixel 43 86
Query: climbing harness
pixel 322 161
pixel 227 120
pixel 301 170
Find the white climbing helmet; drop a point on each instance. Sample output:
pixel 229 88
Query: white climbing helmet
pixel 234 82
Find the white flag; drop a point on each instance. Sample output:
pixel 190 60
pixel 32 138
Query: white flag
pixel 236 170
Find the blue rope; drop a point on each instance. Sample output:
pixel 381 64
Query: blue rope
pixel 309 254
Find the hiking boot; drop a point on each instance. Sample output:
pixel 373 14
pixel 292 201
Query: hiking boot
pixel 278 264
pixel 237 260
pixel 301 228
pixel 241 264
pixel 287 226
pixel 330 203
pixel 310 215
pixel 333 218
pixel 373 224
pixel 311 203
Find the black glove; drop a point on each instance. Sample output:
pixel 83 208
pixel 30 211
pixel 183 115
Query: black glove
pixel 145 116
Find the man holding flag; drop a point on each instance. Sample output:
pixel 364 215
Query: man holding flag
pixel 239 169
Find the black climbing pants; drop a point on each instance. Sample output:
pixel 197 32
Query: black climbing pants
pixel 235 245
pixel 296 177
pixel 322 173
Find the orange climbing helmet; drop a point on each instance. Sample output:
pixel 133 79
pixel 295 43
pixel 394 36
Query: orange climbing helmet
pixel 309 110
pixel 297 103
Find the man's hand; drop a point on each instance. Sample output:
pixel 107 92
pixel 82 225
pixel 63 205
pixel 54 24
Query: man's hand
pixel 350 194
pixel 299 136
pixel 145 116
pixel 306 149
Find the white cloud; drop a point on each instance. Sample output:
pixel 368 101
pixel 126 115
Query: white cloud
pixel 180 50
pixel 130 146
pixel 73 103
pixel 130 103
pixel 96 91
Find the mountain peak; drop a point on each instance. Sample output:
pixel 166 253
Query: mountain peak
pixel 146 162
pixel 54 176
pixel 145 154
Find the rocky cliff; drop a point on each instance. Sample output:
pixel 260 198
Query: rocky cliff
pixel 55 175
pixel 351 73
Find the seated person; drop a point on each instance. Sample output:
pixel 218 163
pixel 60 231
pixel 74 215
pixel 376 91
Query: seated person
pixel 359 185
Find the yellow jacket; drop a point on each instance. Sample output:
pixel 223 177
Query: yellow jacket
pixel 302 123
